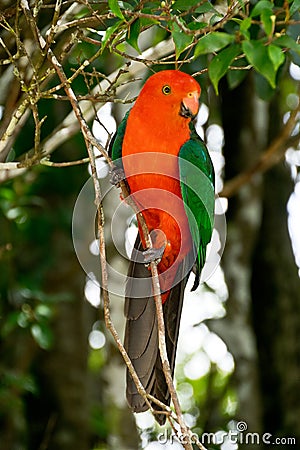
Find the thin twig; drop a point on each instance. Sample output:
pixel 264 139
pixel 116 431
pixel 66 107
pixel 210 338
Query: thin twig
pixel 70 125
pixel 9 165
pixel 16 122
pixel 47 162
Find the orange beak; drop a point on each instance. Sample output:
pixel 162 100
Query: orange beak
pixel 191 103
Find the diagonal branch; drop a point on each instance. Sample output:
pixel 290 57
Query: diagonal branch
pixel 17 121
pixel 271 156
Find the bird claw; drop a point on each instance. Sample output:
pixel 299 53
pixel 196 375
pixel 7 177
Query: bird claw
pixel 117 175
pixel 153 255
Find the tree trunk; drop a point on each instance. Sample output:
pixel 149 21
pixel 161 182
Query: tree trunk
pixel 276 304
pixel 243 141
pixel 59 416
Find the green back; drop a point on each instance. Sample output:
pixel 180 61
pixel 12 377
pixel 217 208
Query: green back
pixel 197 180
pixel 115 147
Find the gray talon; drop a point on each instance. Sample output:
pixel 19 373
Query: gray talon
pixel 153 255
pixel 116 176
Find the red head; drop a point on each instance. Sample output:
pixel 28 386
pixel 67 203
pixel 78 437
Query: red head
pixel 172 92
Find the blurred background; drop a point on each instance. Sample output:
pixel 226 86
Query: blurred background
pixel 62 379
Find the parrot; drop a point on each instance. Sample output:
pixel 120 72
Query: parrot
pixel 170 176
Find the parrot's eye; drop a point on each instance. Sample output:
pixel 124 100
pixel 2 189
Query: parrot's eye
pixel 166 89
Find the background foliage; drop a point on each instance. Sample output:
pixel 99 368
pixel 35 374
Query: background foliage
pixel 59 388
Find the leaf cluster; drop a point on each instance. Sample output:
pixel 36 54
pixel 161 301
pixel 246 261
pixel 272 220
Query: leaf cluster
pixel 234 37
pixel 225 39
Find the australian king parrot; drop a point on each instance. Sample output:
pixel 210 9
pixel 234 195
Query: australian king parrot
pixel 170 176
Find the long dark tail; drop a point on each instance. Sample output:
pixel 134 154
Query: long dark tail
pixel 141 334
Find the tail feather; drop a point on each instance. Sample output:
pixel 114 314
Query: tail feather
pixel 141 334
pixel 141 341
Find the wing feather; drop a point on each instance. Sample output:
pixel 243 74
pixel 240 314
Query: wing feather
pixel 197 187
pixel 115 145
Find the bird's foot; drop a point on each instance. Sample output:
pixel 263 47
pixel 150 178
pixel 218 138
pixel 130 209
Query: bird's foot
pixel 117 175
pixel 153 255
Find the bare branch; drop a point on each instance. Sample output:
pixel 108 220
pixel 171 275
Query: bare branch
pixel 47 162
pixel 16 123
pixel 70 125
pixel 271 156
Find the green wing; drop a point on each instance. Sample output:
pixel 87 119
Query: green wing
pixel 197 180
pixel 115 146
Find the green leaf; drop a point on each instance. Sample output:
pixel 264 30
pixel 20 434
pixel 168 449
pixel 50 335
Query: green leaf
pixel 295 7
pixel 133 35
pixel 268 19
pixel 145 21
pixel 126 5
pixel 261 6
pixel 262 87
pixel 10 323
pixel 285 41
pixel 8 194
pixel 276 56
pixel 43 311
pixel 215 18
pixel 221 62
pixel 235 77
pixel 197 25
pixel 244 27
pixel 23 320
pixel 181 40
pixel 42 335
pixel 184 5
pixel 109 32
pixel 206 7
pixel 115 8
pixel 257 54
pixel 212 42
